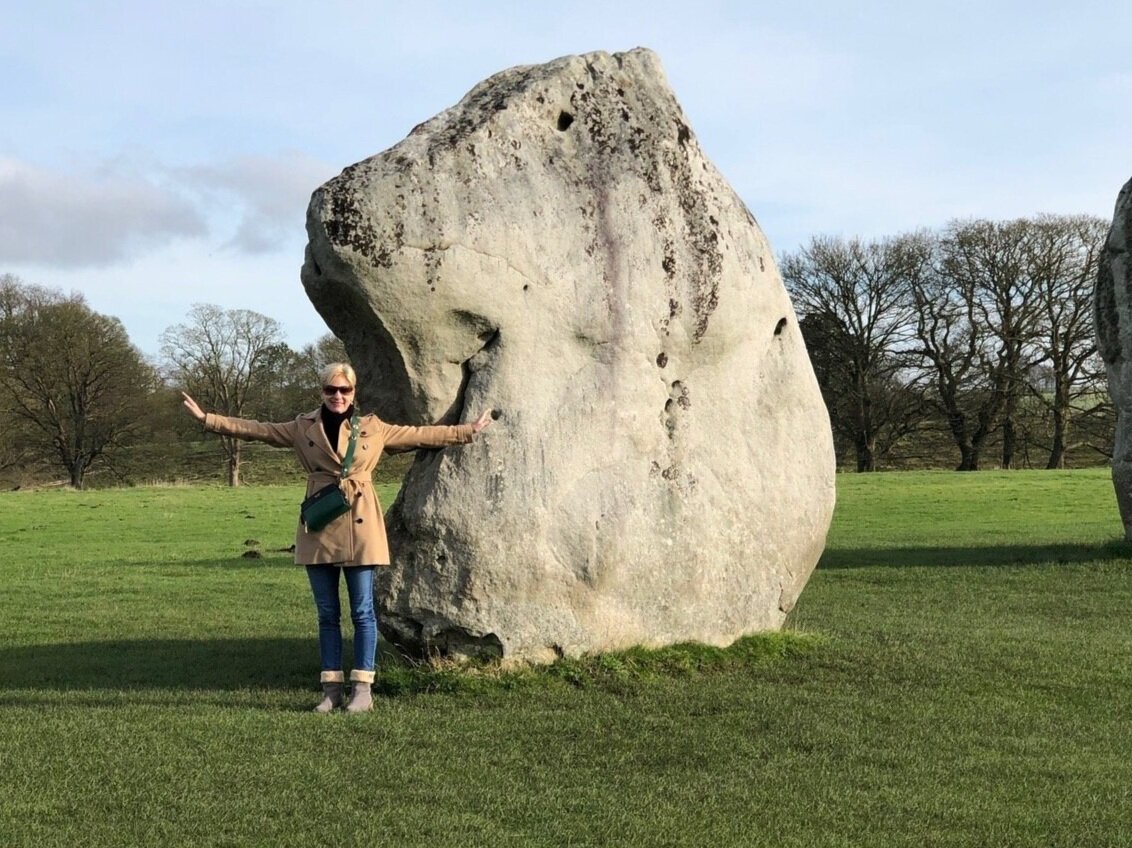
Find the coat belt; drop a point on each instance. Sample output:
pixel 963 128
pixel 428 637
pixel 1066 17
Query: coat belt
pixel 355 481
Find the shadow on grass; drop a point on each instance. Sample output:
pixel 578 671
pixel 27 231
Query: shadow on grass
pixel 1000 555
pixel 211 668
pixel 223 664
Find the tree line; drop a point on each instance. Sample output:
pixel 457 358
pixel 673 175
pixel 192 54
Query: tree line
pixel 955 340
pixel 76 395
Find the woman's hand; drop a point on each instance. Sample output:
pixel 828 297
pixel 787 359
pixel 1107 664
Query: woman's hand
pixel 484 419
pixel 193 409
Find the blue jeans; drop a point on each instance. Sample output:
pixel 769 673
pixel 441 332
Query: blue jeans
pixel 359 586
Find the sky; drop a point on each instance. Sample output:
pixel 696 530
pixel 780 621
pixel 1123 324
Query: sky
pixel 154 155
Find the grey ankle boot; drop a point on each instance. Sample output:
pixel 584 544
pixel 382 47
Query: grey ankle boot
pixel 361 692
pixel 331 692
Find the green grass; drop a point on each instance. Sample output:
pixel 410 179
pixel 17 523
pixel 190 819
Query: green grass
pixel 957 672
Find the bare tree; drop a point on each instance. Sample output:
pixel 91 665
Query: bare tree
pixel 70 377
pixel 1062 256
pixel 977 321
pixel 949 348
pixel 858 315
pixel 221 357
pixel 988 261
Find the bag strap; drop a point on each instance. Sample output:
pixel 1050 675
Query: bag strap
pixel 348 460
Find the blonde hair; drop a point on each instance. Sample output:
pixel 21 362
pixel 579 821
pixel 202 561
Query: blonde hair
pixel 328 372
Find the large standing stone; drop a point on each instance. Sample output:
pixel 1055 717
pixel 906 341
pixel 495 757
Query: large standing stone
pixel 1113 320
pixel 558 247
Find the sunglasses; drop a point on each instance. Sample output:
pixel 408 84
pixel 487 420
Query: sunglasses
pixel 337 390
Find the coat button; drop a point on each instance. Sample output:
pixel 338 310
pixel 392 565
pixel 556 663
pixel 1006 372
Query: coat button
pixel 358 520
pixel 311 444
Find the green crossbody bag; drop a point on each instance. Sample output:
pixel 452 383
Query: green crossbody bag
pixel 329 502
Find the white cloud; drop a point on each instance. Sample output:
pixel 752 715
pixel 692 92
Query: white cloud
pixel 271 193
pixel 110 214
pixel 96 218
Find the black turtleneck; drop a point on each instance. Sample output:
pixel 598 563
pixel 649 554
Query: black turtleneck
pixel 332 423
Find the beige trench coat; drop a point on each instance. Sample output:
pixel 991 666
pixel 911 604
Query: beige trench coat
pixel 358 537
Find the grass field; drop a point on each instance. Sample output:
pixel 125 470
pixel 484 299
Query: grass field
pixel 958 672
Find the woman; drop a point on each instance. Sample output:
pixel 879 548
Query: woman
pixel 354 543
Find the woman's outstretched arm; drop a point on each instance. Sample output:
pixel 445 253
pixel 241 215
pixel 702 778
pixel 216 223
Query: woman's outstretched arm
pixel 280 435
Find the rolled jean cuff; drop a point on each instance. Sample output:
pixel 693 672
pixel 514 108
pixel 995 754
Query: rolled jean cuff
pixel 359 675
pixel 331 677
